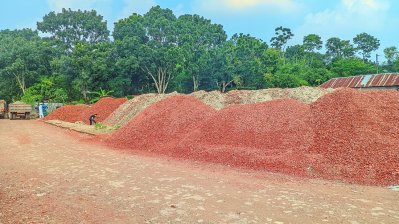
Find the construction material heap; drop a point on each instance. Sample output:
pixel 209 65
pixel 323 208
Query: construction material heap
pixel 73 113
pixel 347 135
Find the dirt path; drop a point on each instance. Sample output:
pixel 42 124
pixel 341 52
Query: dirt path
pixel 47 175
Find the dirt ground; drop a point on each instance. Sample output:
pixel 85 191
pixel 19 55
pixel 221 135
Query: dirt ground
pixel 54 175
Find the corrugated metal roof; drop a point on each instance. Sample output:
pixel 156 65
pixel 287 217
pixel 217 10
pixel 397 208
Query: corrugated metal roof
pixel 362 81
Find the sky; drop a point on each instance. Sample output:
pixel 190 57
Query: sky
pixel 326 18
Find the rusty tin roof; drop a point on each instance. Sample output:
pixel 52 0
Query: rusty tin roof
pixel 363 81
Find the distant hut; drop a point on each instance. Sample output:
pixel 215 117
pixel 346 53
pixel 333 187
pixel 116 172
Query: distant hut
pixel 376 81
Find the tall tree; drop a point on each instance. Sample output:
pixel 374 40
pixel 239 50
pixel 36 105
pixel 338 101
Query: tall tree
pixel 365 44
pixel 391 54
pixel 130 27
pixel 247 64
pixel 70 27
pixel 196 35
pixel 312 42
pixel 283 35
pixel 91 66
pixel 351 67
pixel 23 57
pixel 337 48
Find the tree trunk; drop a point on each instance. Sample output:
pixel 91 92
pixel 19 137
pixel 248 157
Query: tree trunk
pixel 21 82
pixel 195 84
pixel 161 79
pixel 222 86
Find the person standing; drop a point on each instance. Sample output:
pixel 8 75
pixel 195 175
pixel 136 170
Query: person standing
pixel 92 119
pixel 41 114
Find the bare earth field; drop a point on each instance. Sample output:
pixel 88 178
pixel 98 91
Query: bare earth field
pixel 53 175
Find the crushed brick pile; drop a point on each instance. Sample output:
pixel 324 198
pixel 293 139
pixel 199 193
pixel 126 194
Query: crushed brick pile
pixel 125 112
pixel 68 113
pixel 357 136
pixel 347 135
pixel 103 108
pixel 161 126
pixel 270 136
pixel 73 113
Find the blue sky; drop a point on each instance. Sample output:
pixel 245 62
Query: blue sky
pixel 327 18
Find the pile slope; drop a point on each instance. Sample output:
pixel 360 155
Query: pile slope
pixel 103 108
pixel 68 113
pixel 220 100
pixel 270 136
pixel 162 125
pixel 357 136
pixel 128 110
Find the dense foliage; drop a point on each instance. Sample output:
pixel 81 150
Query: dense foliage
pixel 71 57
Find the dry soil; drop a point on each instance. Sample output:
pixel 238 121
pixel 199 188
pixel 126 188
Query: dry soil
pixel 53 175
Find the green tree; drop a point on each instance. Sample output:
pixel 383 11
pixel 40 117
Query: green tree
pixel 71 27
pixel 365 44
pixel 337 48
pixel 23 56
pixel 196 36
pixel 391 54
pixel 90 67
pixel 46 89
pixel 289 75
pixel 316 76
pixel 283 35
pixel 312 42
pixel 351 67
pixel 130 27
pixel 247 64
pixel 295 53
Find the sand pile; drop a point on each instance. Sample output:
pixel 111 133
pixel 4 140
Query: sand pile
pixel 125 112
pixel 220 100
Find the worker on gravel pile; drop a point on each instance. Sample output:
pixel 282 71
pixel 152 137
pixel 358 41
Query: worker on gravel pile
pixel 92 119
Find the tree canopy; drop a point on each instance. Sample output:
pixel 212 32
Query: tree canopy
pixel 70 57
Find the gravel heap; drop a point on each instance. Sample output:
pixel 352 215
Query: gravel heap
pixel 162 125
pixel 103 108
pixel 128 110
pixel 68 113
pixel 73 113
pixel 357 136
pixel 271 135
pixel 347 135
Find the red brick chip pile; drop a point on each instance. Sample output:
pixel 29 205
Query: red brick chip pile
pixel 73 113
pixel 162 125
pixel 272 136
pixel 357 136
pixel 103 108
pixel 348 135
pixel 68 113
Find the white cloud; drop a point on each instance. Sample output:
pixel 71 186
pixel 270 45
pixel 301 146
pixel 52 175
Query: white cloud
pixel 348 18
pixel 137 6
pixel 239 6
pixel 365 6
pixel 57 5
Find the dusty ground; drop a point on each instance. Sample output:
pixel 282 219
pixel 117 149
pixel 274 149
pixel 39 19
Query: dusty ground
pixel 82 127
pixel 49 175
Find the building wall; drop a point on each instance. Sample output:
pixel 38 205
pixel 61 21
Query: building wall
pixel 379 88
